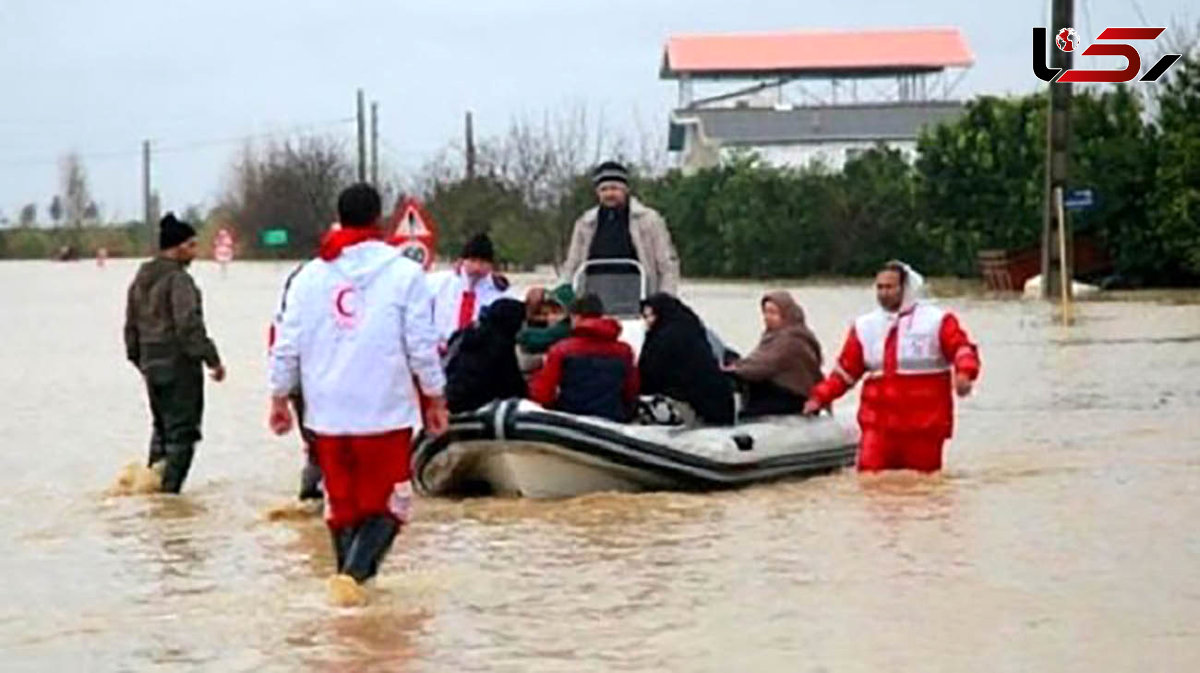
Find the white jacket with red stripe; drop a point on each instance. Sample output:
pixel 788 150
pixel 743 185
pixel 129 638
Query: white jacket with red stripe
pixel 352 335
pixel 448 288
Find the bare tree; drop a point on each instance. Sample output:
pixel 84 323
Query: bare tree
pixel 55 210
pixel 28 216
pixel 650 153
pixel 291 185
pixel 74 189
pixel 545 159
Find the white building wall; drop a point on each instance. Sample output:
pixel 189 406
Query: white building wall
pixel 831 154
pixel 698 154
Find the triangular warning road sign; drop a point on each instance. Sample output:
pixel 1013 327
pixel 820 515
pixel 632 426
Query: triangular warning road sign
pixel 413 221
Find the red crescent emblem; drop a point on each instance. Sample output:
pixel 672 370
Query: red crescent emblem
pixel 341 296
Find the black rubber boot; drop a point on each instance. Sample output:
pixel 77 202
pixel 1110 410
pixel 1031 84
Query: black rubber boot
pixel 157 451
pixel 342 539
pixel 310 482
pixel 179 461
pixel 371 543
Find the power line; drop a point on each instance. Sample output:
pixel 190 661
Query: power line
pixel 184 147
pixel 407 156
pixel 213 142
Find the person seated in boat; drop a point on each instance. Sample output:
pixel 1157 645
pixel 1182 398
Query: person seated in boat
pixel 678 361
pixel 547 322
pixel 590 373
pixel 482 364
pixel 786 364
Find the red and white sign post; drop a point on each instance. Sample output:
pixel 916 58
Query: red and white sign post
pixel 223 249
pixel 414 232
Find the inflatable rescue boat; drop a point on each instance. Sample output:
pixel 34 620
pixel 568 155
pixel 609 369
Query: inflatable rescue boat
pixel 517 448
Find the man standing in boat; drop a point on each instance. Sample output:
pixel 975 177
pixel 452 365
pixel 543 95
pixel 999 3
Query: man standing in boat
pixel 622 227
pixel 355 330
pixel 912 355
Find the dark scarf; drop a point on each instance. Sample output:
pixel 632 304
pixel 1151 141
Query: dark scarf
pixel 677 361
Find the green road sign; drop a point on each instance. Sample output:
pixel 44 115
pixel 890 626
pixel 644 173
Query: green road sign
pixel 274 238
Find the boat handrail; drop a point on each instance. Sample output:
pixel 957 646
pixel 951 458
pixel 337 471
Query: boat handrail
pixel 579 282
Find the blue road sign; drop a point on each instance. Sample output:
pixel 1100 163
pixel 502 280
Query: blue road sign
pixel 1079 199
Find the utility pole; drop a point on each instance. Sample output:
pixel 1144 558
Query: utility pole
pixel 470 145
pixel 1056 253
pixel 362 138
pixel 146 205
pixel 375 143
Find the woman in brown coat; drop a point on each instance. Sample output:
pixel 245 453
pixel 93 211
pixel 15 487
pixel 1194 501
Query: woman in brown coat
pixel 786 363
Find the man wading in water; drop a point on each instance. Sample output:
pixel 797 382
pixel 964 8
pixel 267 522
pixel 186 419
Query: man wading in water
pixel 166 340
pixel 356 327
pixel 912 355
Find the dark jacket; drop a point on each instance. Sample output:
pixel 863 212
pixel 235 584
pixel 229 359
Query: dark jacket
pixel 483 361
pixel 677 361
pixel 164 321
pixel 589 374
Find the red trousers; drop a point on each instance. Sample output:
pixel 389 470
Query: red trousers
pixel 881 450
pixel 365 475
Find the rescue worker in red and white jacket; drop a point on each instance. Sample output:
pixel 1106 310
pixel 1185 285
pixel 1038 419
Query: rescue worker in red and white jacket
pixel 461 293
pixel 912 354
pixel 354 333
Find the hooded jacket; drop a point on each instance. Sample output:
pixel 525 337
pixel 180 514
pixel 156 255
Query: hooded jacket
pixel 483 361
pixel 355 328
pixel 164 321
pixel 789 357
pixel 590 373
pixel 677 361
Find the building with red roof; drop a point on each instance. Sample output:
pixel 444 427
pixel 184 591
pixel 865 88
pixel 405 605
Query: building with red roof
pixel 811 95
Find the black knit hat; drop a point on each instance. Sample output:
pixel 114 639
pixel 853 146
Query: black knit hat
pixel 588 306
pixel 172 232
pixel 479 247
pixel 610 171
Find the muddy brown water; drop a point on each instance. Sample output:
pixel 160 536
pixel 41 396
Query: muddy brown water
pixel 1062 537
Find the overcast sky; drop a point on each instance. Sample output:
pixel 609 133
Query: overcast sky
pixel 99 76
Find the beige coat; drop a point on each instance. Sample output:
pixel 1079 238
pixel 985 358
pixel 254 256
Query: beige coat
pixel 651 240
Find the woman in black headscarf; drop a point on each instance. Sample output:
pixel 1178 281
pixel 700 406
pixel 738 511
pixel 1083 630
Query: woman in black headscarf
pixel 677 361
pixel 483 359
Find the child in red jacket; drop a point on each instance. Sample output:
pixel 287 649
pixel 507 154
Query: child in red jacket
pixel 590 373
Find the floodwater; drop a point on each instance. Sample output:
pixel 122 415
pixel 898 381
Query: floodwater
pixel 1062 537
